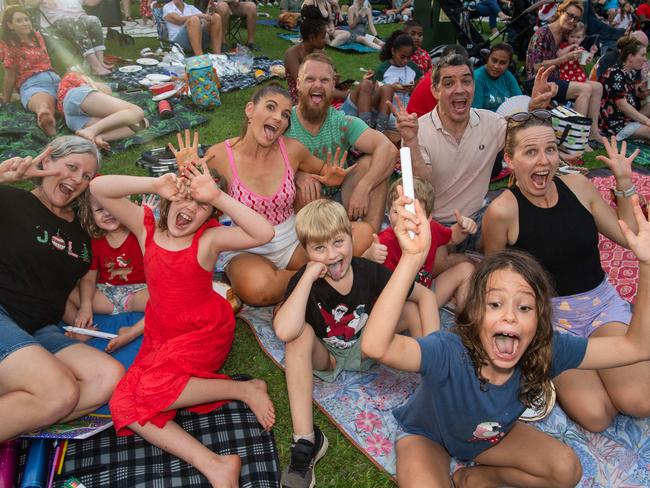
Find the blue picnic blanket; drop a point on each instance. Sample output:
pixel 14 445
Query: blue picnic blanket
pixel 348 46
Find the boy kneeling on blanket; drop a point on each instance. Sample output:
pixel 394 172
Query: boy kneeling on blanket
pixel 321 320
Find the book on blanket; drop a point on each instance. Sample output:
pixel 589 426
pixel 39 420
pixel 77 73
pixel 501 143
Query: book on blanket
pixel 81 428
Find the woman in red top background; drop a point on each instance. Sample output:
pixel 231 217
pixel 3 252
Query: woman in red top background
pixel 28 68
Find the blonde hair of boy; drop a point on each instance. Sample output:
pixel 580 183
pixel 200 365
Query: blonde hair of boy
pixel 423 190
pixel 320 221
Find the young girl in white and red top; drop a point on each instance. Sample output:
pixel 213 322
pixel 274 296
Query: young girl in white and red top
pixel 115 282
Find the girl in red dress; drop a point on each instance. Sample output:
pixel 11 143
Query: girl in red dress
pixel 188 327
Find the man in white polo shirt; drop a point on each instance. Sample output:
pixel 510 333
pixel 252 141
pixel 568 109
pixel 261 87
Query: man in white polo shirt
pixel 454 146
pixel 192 29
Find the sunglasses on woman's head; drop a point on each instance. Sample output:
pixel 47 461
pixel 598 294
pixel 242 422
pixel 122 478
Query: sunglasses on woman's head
pixel 523 117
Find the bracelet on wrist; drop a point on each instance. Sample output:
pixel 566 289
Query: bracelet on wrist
pixel 625 193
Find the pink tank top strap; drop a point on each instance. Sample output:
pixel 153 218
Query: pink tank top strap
pixel 287 164
pixel 231 162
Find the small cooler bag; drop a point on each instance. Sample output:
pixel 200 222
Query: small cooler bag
pixel 202 81
pixel 571 130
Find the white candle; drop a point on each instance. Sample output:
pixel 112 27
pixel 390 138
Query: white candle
pixel 407 179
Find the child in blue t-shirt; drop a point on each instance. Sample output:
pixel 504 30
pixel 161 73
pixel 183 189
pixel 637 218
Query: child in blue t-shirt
pixel 494 83
pixel 500 359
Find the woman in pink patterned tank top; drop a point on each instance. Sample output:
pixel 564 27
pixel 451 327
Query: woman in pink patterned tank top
pixel 259 168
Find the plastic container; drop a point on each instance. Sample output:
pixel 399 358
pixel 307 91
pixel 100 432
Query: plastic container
pixel 9 452
pixel 35 471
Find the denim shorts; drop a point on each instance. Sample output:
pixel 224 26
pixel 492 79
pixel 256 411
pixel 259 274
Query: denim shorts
pixel 183 39
pixel 75 117
pixel 13 337
pixel 43 82
pixel 628 131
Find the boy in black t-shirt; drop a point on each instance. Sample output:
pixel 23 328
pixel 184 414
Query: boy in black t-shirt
pixel 321 321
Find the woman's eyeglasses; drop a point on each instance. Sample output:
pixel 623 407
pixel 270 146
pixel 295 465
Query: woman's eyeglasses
pixel 520 118
pixel 573 17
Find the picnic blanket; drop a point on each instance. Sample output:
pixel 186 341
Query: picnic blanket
pixel 20 136
pixel 348 46
pixel 643 159
pixel 620 264
pixel 135 28
pixel 361 404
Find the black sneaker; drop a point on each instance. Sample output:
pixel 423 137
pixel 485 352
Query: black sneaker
pixel 304 456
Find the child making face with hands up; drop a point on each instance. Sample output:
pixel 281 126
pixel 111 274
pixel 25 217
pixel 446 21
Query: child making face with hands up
pixel 478 379
pixel 189 328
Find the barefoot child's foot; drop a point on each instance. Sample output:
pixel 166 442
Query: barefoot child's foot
pixel 223 471
pixel 101 143
pixel 257 398
pixel 46 122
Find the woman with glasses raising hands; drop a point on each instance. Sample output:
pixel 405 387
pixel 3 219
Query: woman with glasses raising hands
pixel 543 52
pixel 557 219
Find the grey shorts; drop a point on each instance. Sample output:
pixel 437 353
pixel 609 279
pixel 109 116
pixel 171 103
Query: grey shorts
pixel 346 360
pixel 120 295
pixel 75 117
pixel 13 337
pixel 44 82
pixel 182 38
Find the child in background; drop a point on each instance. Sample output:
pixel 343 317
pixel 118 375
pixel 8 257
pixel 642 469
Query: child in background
pixel 493 82
pixel 572 70
pixel 420 57
pixel 385 247
pixel 115 282
pixel 322 319
pixel 397 73
pixel 92 113
pixel 500 359
pixel 624 17
pixel 189 327
pixel 27 67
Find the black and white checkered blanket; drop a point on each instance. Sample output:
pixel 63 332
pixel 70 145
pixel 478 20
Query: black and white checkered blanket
pixel 106 460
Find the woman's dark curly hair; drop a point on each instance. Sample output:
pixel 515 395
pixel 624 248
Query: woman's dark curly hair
pixel 6 34
pixel 535 363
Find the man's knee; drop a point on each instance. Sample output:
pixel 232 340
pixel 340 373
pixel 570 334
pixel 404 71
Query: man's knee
pixel 193 23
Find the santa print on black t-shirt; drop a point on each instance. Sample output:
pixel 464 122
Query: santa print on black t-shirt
pixel 339 319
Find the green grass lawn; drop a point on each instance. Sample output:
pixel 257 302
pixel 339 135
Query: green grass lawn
pixel 344 465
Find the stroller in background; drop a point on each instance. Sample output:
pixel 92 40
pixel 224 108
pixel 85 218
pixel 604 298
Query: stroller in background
pixel 518 30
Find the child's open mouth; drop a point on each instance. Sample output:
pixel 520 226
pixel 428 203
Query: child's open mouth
pixel 182 220
pixel 335 270
pixel 506 345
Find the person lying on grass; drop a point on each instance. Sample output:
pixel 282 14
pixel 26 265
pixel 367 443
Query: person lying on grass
pixel 499 359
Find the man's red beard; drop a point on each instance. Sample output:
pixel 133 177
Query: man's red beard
pixel 309 112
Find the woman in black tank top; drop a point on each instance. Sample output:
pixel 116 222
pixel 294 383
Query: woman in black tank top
pixel 557 219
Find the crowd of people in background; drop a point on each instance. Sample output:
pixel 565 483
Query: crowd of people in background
pixel 321 229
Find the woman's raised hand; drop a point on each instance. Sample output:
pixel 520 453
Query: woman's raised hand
pixel 170 187
pixel 20 169
pixel 616 160
pixel 201 185
pixel 639 243
pixel 334 171
pixel 186 152
pixel 416 223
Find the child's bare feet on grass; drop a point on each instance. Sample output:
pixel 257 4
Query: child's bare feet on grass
pixel 98 140
pixel 47 122
pixel 223 471
pixel 258 399
pixel 101 71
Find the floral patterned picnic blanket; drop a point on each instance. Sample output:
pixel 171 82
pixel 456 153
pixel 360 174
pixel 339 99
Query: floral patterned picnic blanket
pixel 20 136
pixel 361 405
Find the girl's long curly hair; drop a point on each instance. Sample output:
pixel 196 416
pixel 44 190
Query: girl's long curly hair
pixel 87 218
pixel 535 363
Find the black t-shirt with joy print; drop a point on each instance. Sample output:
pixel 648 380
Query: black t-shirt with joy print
pixel 42 257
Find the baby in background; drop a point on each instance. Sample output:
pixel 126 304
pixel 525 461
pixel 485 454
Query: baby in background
pixel 115 282
pixel 385 247
pixel 572 69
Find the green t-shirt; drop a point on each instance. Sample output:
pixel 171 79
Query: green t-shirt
pixel 338 130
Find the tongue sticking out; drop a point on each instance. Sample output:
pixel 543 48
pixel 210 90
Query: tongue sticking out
pixel 505 344
pixel 335 270
pixel 269 132
pixel 181 221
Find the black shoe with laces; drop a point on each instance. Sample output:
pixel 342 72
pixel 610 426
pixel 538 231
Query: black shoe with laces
pixel 304 456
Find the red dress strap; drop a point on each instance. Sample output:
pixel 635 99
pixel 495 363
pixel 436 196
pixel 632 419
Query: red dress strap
pixel 211 222
pixel 149 225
